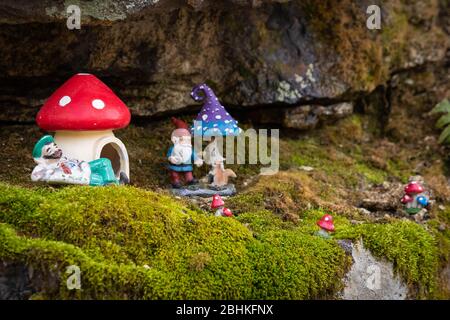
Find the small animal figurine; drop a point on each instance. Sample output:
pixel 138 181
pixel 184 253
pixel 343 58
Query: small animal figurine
pixel 221 175
pixel 181 155
pixel 218 205
pixel 326 226
pixel 415 198
pixel 54 167
pixel 212 155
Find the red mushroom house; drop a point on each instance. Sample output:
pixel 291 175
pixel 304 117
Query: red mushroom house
pixel 83 113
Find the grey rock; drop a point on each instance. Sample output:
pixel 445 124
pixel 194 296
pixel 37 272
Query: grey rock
pixel 228 190
pixel 14 281
pixel 308 116
pixel 346 245
pixel 446 276
pixel 306 168
pixel 300 118
pixel 372 279
pixel 364 211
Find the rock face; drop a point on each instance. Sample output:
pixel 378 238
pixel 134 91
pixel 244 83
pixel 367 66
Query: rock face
pixel 371 278
pixel 254 54
pixel 14 282
pixel 308 116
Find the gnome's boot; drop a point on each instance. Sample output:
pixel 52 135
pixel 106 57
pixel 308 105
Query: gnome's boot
pixel 175 179
pixel 190 180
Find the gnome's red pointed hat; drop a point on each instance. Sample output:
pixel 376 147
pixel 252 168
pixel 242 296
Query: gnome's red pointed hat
pixel 326 222
pixel 83 103
pixel 182 129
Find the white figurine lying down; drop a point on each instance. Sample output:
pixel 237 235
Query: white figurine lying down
pixel 53 167
pixel 64 170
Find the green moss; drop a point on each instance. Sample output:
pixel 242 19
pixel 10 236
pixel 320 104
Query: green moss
pixel 296 266
pixel 394 37
pixel 371 174
pixel 131 243
pixel 399 169
pixel 336 162
pixel 414 252
pixel 262 221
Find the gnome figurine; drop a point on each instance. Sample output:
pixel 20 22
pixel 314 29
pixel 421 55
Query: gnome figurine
pixel 182 156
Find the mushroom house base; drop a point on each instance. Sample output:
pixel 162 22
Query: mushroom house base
pixel 92 145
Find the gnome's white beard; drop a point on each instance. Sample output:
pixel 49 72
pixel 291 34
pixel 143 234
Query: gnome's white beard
pixel 183 152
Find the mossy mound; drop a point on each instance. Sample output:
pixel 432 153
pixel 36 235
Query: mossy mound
pixel 131 243
pixel 413 250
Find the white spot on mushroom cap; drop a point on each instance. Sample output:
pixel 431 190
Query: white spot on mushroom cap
pixel 98 104
pixel 218 117
pixel 64 101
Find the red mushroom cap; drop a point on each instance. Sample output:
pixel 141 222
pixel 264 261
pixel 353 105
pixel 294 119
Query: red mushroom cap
pixel 326 222
pixel 406 199
pixel 217 202
pixel 83 103
pixel 227 212
pixel 413 188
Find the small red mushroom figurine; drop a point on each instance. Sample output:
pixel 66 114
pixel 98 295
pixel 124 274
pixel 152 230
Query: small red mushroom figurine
pixel 326 225
pixel 407 199
pixel 227 212
pixel 218 205
pixel 83 113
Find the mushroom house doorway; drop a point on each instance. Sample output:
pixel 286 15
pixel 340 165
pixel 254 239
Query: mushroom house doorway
pixel 118 156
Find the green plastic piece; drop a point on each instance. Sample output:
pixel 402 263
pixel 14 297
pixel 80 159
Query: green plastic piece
pixel 102 172
pixel 413 211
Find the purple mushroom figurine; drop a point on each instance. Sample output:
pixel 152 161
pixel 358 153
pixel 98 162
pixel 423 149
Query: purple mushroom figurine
pixel 213 121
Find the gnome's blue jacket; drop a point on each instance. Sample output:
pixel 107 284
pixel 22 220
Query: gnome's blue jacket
pixel 184 167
